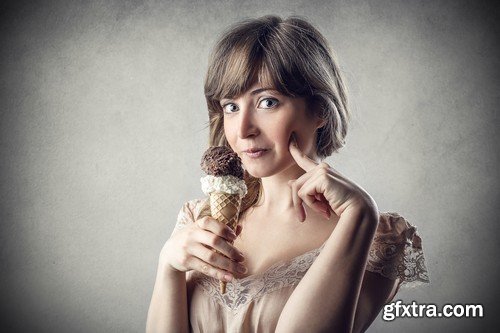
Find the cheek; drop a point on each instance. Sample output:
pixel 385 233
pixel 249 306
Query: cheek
pixel 230 134
pixel 305 136
pixel 281 132
pixel 297 125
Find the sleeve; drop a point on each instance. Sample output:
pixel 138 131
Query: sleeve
pixel 397 253
pixel 187 213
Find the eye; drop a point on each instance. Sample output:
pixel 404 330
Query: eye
pixel 226 108
pixel 267 100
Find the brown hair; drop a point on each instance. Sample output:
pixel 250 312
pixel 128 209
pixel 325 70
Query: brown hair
pixel 290 55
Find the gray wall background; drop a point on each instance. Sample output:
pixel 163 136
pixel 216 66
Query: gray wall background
pixel 103 123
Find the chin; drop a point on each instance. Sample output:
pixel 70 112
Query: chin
pixel 259 172
pixel 263 171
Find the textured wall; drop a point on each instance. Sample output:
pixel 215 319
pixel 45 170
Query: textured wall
pixel 103 123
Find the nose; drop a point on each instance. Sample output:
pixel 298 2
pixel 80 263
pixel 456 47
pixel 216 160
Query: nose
pixel 247 124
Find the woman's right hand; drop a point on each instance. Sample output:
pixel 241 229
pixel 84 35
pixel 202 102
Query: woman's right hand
pixel 190 248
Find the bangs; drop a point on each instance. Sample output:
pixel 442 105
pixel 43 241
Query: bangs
pixel 241 74
pixel 258 54
pixel 240 77
pixel 242 69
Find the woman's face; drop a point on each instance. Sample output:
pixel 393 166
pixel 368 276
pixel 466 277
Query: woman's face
pixel 258 126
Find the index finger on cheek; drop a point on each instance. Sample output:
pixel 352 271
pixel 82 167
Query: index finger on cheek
pixel 302 159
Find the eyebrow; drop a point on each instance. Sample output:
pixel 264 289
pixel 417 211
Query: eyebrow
pixel 257 91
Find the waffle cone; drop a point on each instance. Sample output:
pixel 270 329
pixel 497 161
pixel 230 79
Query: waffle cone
pixel 225 208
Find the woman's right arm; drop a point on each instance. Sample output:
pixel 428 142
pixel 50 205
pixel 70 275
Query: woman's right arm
pixel 168 309
pixel 190 248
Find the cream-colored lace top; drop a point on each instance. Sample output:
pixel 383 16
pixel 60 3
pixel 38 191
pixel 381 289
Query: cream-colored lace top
pixel 254 303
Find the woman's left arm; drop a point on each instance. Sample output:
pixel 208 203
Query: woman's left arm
pixel 327 297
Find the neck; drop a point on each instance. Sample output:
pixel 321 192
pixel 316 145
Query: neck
pixel 277 195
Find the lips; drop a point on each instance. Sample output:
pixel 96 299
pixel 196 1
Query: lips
pixel 254 150
pixel 255 153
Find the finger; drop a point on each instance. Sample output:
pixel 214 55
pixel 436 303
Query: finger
pixel 302 159
pixel 220 229
pixel 311 192
pixel 239 228
pixel 317 198
pixel 219 244
pixel 331 170
pixel 302 179
pixel 217 260
pixel 297 201
pixel 295 186
pixel 321 198
pixel 207 269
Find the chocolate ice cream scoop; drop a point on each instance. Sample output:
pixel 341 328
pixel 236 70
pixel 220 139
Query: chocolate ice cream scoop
pixel 221 161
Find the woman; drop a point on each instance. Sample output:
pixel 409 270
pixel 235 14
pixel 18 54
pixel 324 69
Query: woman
pixel 311 253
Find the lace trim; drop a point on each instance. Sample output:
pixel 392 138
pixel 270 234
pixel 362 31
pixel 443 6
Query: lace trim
pixel 397 253
pixel 186 215
pixel 242 291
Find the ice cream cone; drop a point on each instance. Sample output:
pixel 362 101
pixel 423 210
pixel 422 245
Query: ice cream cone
pixel 225 186
pixel 225 208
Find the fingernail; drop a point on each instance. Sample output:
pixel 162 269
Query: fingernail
pixel 241 269
pixel 228 277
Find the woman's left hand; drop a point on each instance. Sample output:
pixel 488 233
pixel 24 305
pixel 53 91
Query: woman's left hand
pixel 324 189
